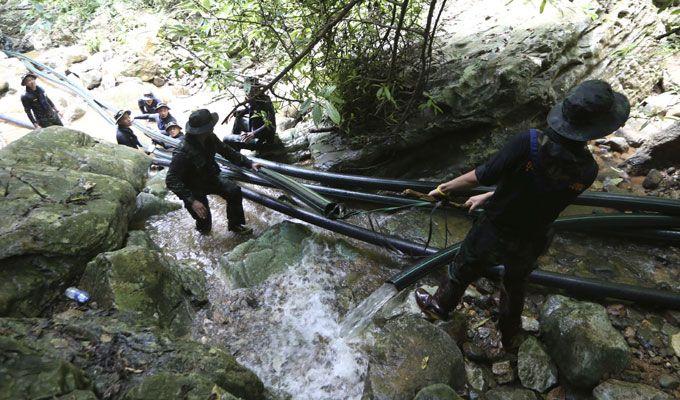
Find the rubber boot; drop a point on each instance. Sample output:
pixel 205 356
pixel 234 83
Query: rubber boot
pixel 439 305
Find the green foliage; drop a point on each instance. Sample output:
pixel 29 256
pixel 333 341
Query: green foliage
pixel 49 11
pixel 354 76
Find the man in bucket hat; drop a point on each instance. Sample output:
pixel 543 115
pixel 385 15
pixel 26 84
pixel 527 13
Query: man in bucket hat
pixel 537 174
pixel 194 174
pixel 38 107
pixel 124 134
pixel 148 103
pixel 254 126
pixel 162 117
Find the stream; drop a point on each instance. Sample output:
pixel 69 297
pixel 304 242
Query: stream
pixel 305 331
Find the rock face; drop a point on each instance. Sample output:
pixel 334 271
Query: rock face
pixel 502 64
pixel 65 148
pixel 77 353
pixel 61 205
pixel 140 281
pixel 410 354
pixel 659 151
pixel 252 262
pixel 506 393
pixel 535 368
pixel 148 205
pixel 581 341
pixel 617 390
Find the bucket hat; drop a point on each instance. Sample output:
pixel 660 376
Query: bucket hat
pixel 162 105
pixel 201 122
pixel 120 115
pixel 590 111
pixel 27 75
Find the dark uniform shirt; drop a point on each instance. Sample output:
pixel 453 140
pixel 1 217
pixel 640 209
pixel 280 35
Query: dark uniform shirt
pixel 533 187
pixel 193 169
pixel 145 108
pixel 261 114
pixel 37 105
pixel 126 137
pixel 161 123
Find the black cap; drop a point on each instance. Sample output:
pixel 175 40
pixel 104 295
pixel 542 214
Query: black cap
pixel 148 96
pixel 201 122
pixel 27 75
pixel 162 105
pixel 172 125
pixel 120 115
pixel 590 111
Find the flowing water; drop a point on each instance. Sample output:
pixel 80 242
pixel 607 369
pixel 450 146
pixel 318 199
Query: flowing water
pixel 302 330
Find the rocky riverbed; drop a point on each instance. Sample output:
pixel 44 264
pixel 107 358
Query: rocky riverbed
pixel 175 314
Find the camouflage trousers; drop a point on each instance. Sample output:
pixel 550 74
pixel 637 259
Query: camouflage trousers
pixel 485 246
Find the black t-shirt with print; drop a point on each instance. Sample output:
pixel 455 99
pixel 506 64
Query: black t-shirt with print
pixel 529 197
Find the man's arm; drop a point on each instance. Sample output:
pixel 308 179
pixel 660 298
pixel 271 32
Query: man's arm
pixel 175 178
pixel 49 101
pixel 230 154
pixel 29 110
pixel 151 117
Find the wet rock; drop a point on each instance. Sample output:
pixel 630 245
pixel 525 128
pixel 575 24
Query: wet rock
pixel 148 205
pixel 648 335
pixel 252 262
pixel 503 372
pixel 455 326
pixel 675 344
pixel 142 282
pixel 91 79
pixel 618 390
pixel 26 373
pixel 530 324
pixel 409 354
pixel 158 81
pixel 616 143
pixel 474 352
pixel 175 386
pixel 652 180
pixel 659 151
pixel 54 221
pixel 143 67
pixel 65 148
pixel 506 393
pixel 121 359
pixel 535 368
pixel 479 377
pixel 437 392
pixel 669 382
pixel 581 341
pixel 633 137
pixel 658 104
pixel 156 184
pixel 75 114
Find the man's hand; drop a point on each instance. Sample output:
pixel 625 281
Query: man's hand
pixel 247 137
pixel 438 193
pixel 475 202
pixel 256 166
pixel 199 209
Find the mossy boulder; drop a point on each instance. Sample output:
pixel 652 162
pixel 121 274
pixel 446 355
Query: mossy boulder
pixel 53 222
pixel 141 281
pixel 614 389
pixel 437 392
pixel 26 373
pixel 66 148
pixel 148 205
pixel 582 341
pixel 410 354
pixel 108 355
pixel 156 184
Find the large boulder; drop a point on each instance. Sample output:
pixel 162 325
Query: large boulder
pixel 506 63
pixel 252 262
pixel 65 148
pixel 101 352
pixel 618 390
pixel 410 354
pixel 54 221
pixel 64 198
pixel 438 391
pixel 581 341
pixel 506 393
pixel 659 151
pixel 148 205
pixel 142 281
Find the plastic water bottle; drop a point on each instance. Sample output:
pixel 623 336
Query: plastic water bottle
pixel 78 295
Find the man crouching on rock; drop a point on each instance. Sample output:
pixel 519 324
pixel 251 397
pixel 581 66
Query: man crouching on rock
pixel 537 175
pixel 194 174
